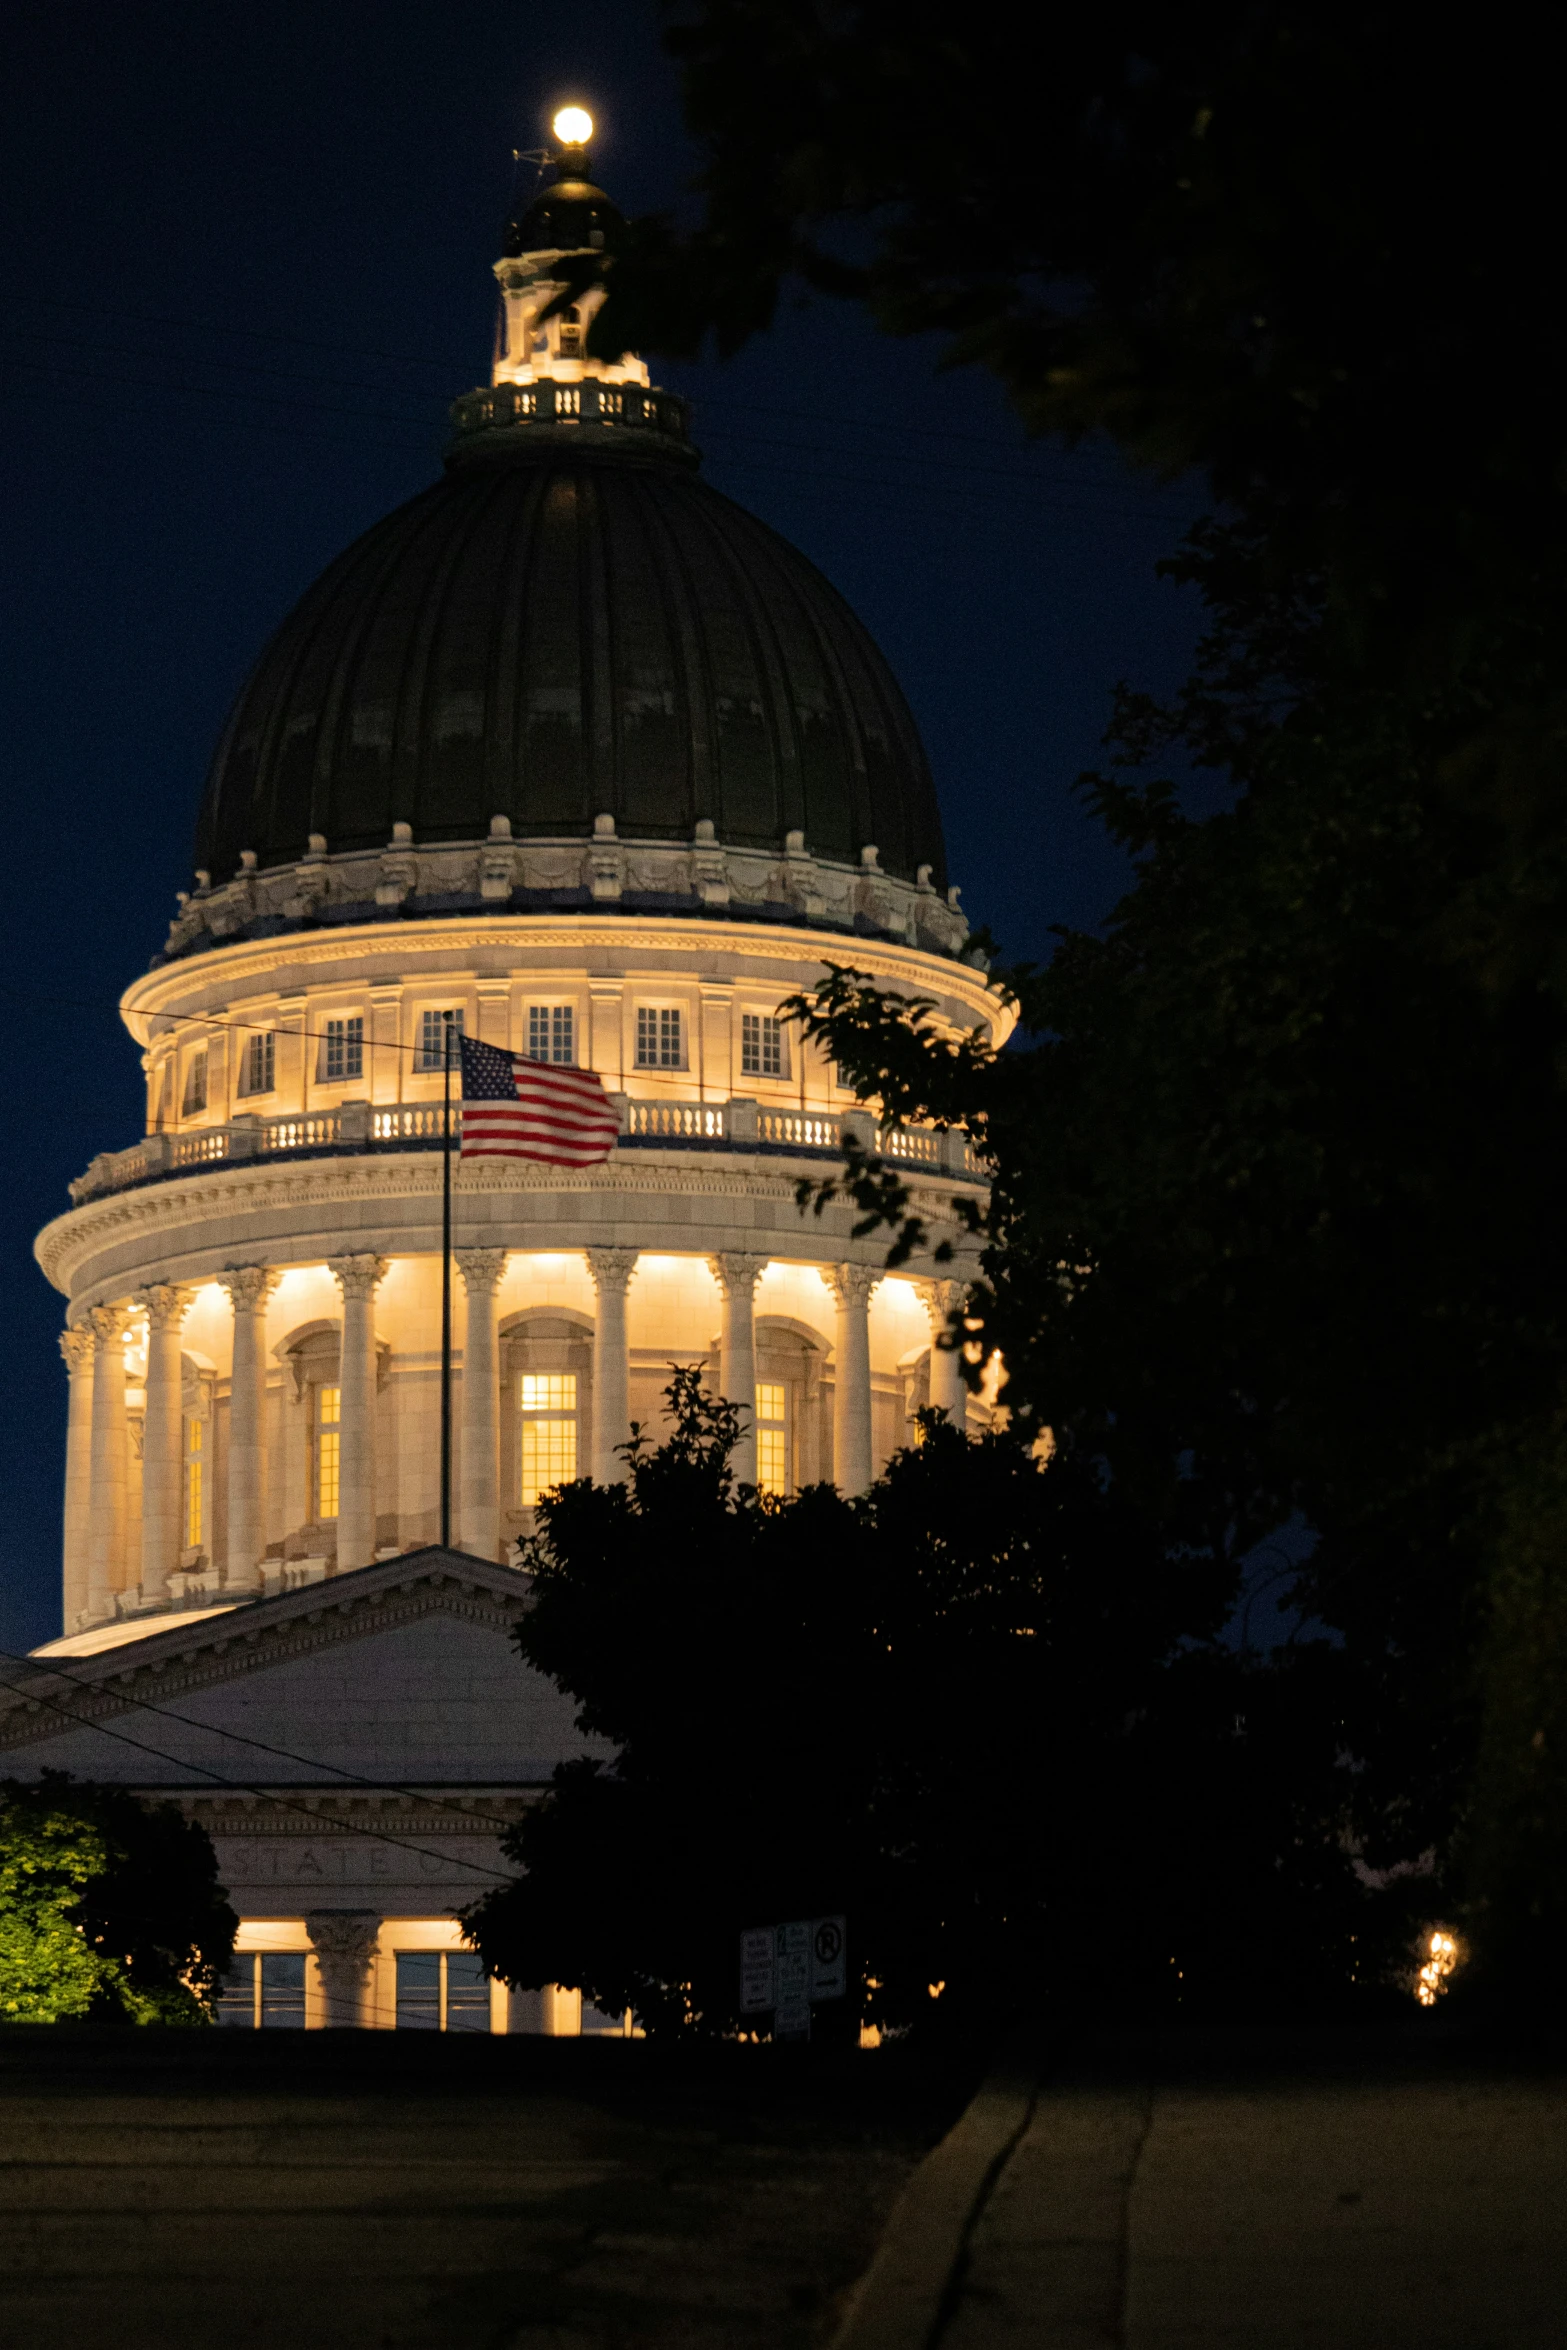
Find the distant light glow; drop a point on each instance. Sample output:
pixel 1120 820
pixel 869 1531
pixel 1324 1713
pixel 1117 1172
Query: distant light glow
pixel 1441 1959
pixel 573 126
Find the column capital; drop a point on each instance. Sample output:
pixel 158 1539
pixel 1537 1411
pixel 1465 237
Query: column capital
pixel 76 1344
pixel 165 1304
pixel 344 1943
pixel 107 1323
pixel 482 1269
pixel 737 1271
pixel 249 1286
pixel 851 1285
pixel 358 1276
pixel 943 1299
pixel 612 1269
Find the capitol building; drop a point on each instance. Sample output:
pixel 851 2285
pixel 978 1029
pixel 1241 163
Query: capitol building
pixel 575 751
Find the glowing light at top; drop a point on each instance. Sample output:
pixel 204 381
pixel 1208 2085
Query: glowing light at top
pixel 573 126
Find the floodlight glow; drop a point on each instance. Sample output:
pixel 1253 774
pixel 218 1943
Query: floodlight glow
pixel 573 126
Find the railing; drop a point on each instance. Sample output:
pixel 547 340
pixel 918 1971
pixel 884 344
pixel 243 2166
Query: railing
pixel 739 1124
pixel 679 1121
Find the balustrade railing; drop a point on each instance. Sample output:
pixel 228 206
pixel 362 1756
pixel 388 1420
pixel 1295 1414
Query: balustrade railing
pixel 741 1124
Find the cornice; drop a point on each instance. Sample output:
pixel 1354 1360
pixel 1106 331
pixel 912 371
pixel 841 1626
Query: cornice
pixel 246 966
pixel 268 1632
pixel 182 1203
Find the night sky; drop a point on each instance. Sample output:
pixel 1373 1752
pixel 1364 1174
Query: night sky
pixel 246 266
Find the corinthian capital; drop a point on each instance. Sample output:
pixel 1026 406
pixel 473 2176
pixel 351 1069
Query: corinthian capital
pixel 482 1269
pixel 107 1324
pixel 611 1269
pixel 851 1285
pixel 249 1287
pixel 944 1301
pixel 357 1277
pixel 165 1304
pixel 76 1345
pixel 737 1272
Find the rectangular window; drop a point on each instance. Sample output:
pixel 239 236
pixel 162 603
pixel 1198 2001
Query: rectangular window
pixel 772 1436
pixel 431 1048
pixel 550 1033
pixel 264 1990
pixel 442 1991
pixel 761 1045
pixel 260 1063
pixel 659 1044
pixel 196 1083
pixel 549 1432
pixel 329 1438
pixel 195 1499
pixel 345 1049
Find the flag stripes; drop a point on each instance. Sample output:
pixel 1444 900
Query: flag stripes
pixel 520 1109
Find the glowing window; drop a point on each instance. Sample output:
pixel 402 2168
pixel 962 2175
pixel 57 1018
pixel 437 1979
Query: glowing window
pixel 659 1042
pixel 195 1498
pixel 345 1049
pixel 261 1063
pixel 549 1431
pixel 761 1045
pixel 431 1050
pixel 328 1449
pixel 772 1436
pixel 550 1033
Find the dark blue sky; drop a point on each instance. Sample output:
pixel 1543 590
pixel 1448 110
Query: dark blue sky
pixel 246 266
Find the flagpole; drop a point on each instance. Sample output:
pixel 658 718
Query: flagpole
pixel 446 1281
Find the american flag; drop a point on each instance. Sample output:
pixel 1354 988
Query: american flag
pixel 518 1109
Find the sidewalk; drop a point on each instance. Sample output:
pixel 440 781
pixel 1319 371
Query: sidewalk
pixel 1306 2213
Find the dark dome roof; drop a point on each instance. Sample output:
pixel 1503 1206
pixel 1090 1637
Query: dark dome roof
pixel 565 633
pixel 568 215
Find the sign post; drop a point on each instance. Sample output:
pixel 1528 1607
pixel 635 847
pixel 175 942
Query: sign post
pixel 785 1969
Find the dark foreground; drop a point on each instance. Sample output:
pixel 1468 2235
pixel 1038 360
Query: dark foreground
pixel 280 2191
pixel 1405 2190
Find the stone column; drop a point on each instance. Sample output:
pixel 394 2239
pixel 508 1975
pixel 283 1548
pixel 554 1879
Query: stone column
pixel 611 1269
pixel 77 1347
pixel 249 1287
pixel 344 1943
pixel 738 1275
pixel 358 1279
pixel 162 1452
pixel 106 1501
pixel 943 1299
pixel 478 1483
pixel 851 1285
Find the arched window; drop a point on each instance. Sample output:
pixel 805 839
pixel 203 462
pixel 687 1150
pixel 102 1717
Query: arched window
pixel 546 1406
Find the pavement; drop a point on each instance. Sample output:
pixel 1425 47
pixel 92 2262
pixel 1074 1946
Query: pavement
pixel 1220 2199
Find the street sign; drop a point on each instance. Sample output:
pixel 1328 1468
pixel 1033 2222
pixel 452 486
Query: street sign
pixel 829 1958
pixel 756 1970
pixel 785 1968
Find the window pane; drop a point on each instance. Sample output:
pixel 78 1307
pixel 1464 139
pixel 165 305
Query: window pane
pixel 431 1050
pixel 236 2000
pixel 549 1456
pixel 283 1989
pixel 551 1033
pixel 418 1990
pixel 327 1464
pixel 761 1045
pixel 658 1037
pixel 550 1391
pixel 467 1992
pixel 772 1460
pixel 769 1400
pixel 345 1048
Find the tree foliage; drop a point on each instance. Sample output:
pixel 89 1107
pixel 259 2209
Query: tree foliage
pixel 967 1709
pixel 110 1909
pixel 1274 1229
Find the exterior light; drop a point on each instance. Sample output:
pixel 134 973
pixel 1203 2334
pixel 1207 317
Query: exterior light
pixel 573 126
pixel 1441 1959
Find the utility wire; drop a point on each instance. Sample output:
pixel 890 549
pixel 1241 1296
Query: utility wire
pixel 48 1664
pixel 264 1794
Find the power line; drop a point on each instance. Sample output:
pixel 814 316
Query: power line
pixel 264 1794
pixel 236 1737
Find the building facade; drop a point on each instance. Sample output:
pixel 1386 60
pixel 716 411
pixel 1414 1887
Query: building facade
pixel 576 755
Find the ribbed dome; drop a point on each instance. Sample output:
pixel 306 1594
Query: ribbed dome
pixel 566 633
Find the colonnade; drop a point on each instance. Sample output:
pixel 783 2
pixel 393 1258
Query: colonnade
pixel 96 1499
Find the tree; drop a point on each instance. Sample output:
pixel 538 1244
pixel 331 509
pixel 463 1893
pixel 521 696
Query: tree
pixel 110 1908
pixel 974 1710
pixel 1275 1229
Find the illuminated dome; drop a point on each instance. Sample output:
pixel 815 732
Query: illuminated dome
pixel 557 632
